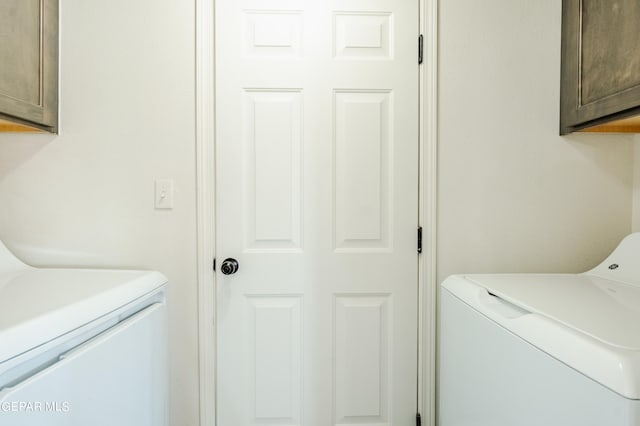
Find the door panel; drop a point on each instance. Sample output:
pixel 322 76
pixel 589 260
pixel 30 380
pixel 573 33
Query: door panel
pixel 362 166
pixel 362 352
pixel 273 218
pixel 317 173
pixel 277 357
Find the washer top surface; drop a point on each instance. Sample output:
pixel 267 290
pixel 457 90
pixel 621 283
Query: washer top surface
pixel 603 303
pixel 606 310
pixel 588 321
pixel 39 305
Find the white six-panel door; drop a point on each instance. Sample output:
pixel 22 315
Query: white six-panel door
pixel 317 175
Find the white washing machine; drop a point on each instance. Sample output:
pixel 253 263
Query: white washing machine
pixel 81 347
pixel 543 349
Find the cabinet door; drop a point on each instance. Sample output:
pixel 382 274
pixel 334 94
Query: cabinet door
pixel 29 58
pixel 600 62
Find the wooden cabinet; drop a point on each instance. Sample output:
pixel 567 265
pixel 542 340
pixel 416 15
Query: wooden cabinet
pixel 29 65
pixel 600 84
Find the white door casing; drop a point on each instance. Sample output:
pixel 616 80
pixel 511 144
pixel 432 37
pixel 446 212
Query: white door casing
pixel 317 199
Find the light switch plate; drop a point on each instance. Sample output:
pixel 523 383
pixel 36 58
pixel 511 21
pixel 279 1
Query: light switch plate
pixel 164 194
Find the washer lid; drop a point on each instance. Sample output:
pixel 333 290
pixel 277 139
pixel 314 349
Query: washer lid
pixel 623 264
pixel 606 310
pixel 39 305
pixel 585 322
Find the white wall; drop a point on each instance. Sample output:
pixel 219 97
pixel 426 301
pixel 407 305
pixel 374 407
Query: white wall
pixel 85 197
pixel 513 195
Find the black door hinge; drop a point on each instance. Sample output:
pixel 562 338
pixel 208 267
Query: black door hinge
pixel 418 420
pixel 420 239
pixel 214 264
pixel 420 48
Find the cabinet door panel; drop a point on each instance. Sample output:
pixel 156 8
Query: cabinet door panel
pixel 610 39
pixel 20 49
pixel 600 64
pixel 28 54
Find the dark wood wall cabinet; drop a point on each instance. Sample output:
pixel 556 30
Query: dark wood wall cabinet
pixel 29 65
pixel 600 82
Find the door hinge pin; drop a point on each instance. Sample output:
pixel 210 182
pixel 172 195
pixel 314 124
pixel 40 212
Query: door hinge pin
pixel 418 419
pixel 420 49
pixel 420 239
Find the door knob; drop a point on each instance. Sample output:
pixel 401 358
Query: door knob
pixel 229 266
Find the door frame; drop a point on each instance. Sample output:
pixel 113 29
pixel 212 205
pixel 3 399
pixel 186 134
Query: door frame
pixel 206 209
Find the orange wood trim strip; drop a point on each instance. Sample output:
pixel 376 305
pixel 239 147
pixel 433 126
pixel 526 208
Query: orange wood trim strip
pixel 6 126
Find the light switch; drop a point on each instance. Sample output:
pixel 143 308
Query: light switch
pixel 164 194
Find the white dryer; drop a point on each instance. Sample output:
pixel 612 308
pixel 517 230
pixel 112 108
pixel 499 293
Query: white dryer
pixel 543 349
pixel 81 347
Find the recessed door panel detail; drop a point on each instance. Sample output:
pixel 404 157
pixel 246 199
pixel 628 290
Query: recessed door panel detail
pixel 363 35
pixel 273 33
pixel 273 151
pixel 362 166
pixel 276 340
pixel 362 348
